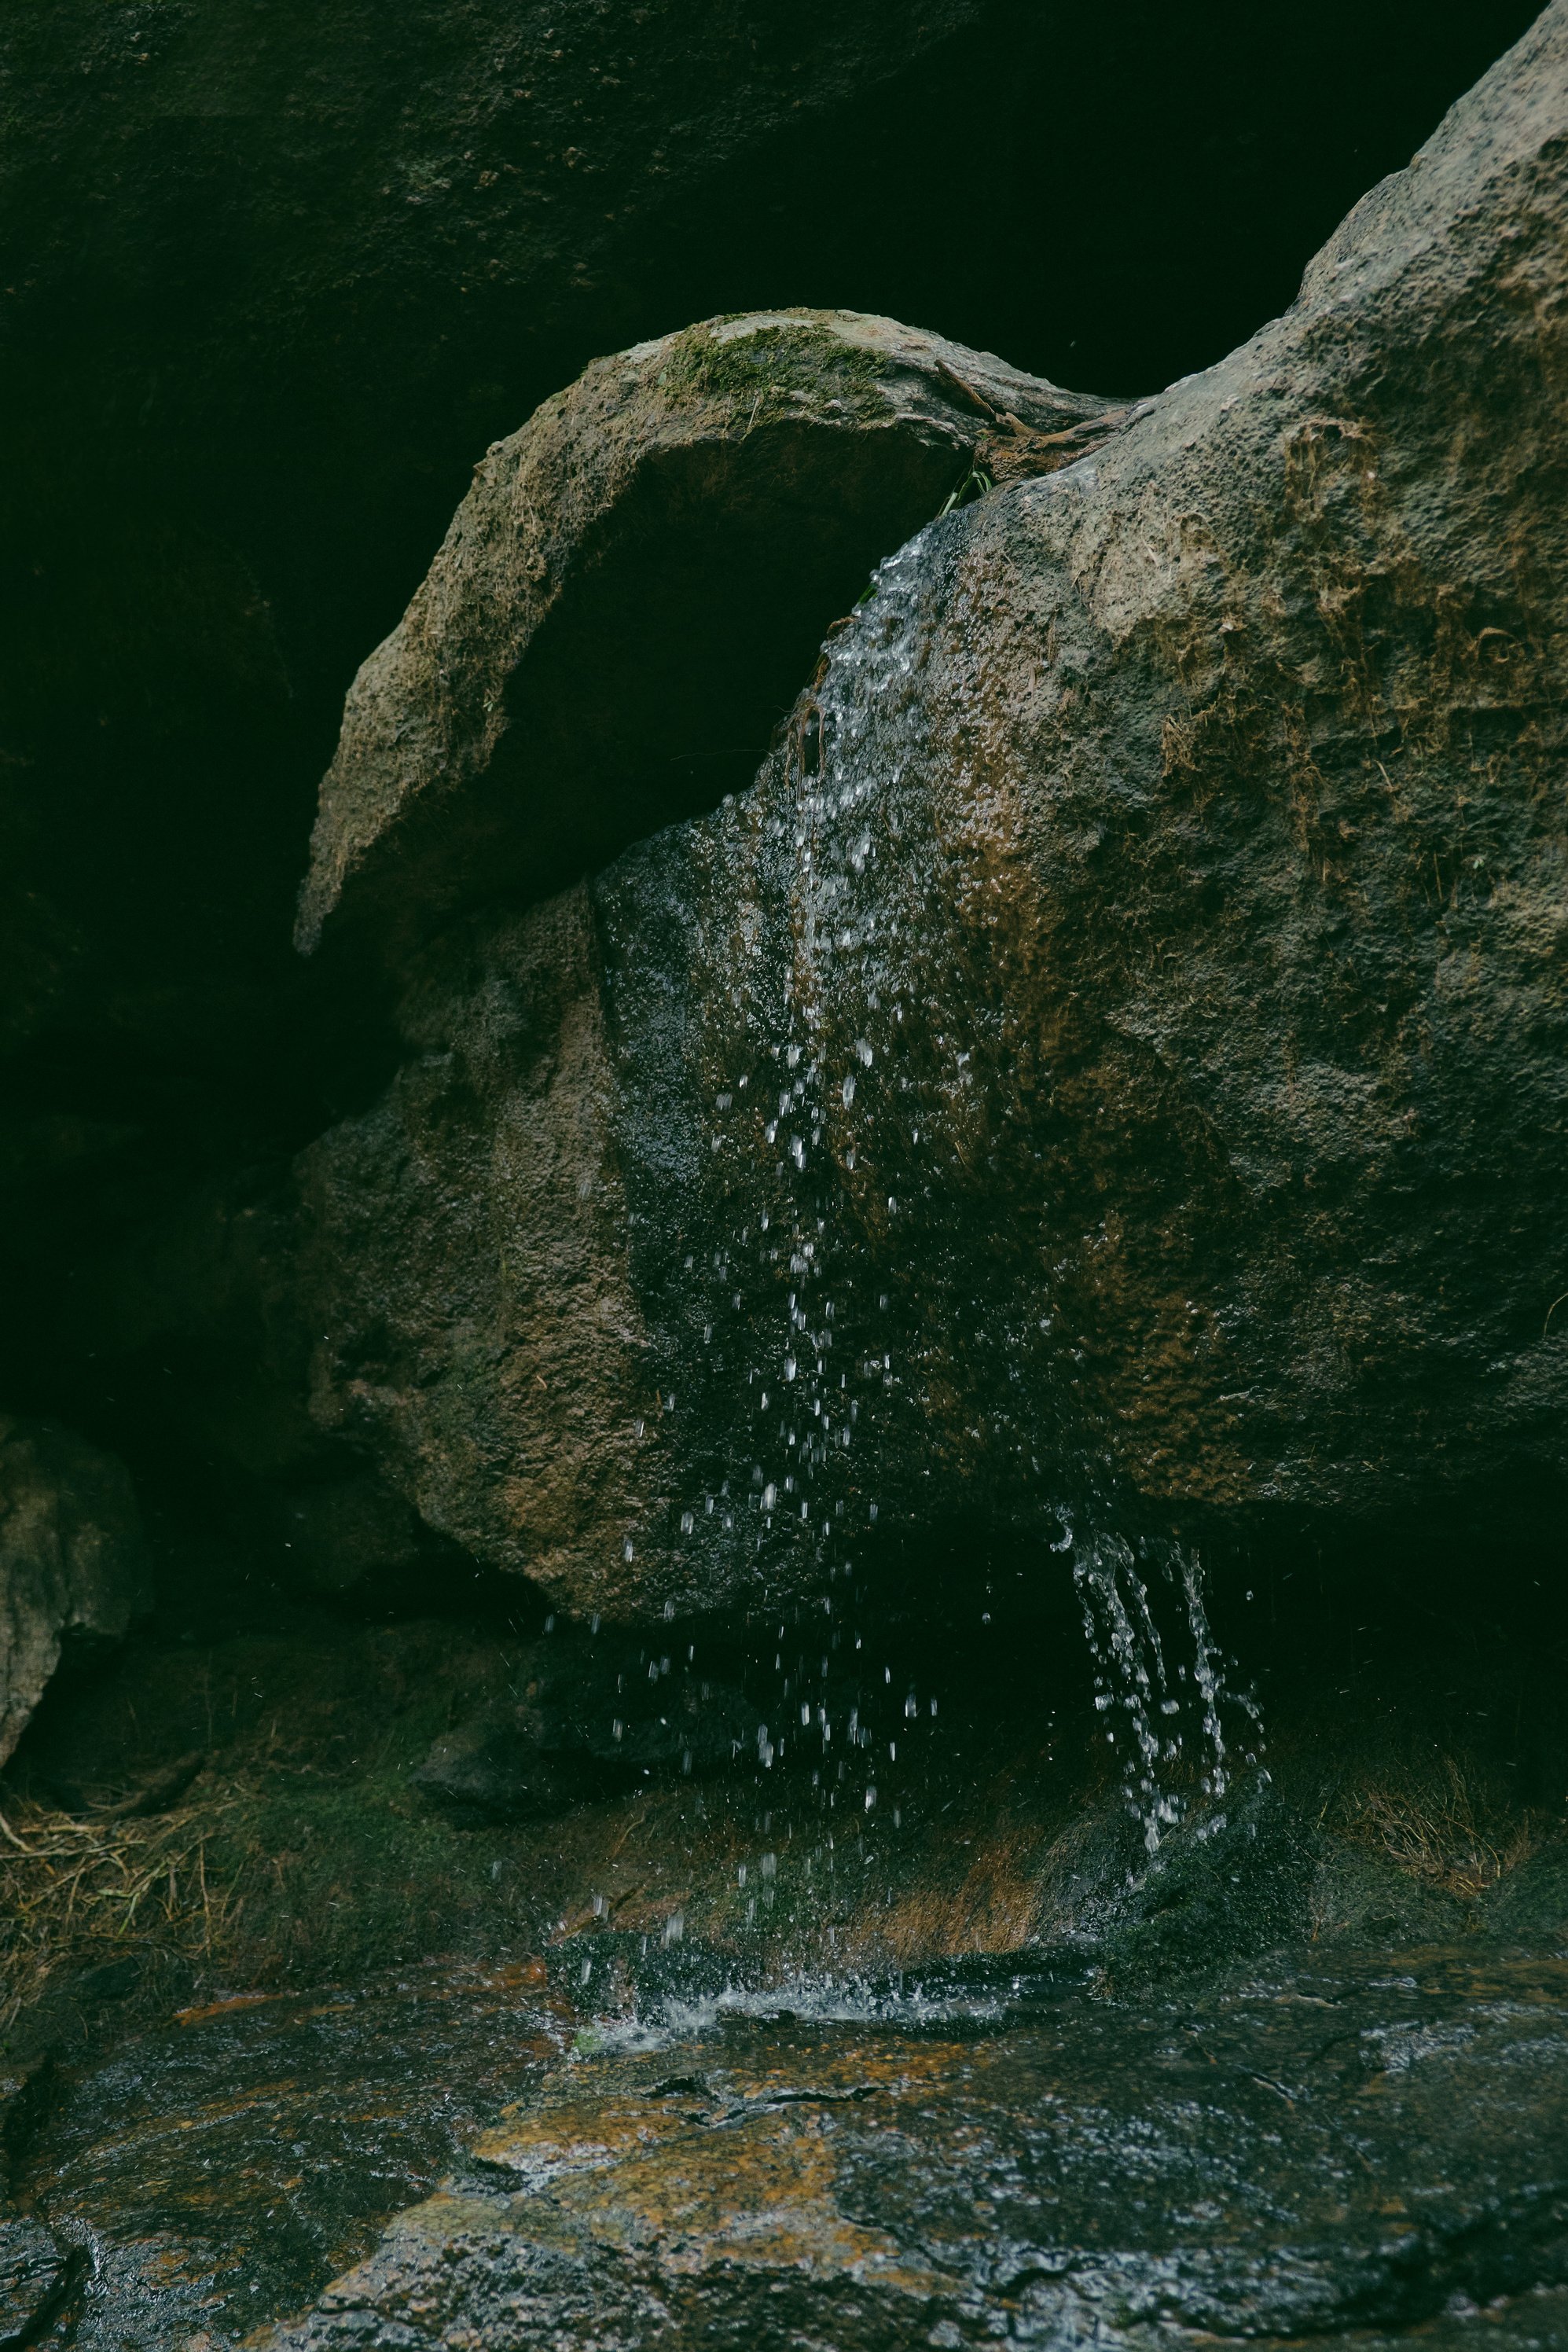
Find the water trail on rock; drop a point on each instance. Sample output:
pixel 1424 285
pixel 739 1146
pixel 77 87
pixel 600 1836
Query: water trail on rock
pixel 855 1116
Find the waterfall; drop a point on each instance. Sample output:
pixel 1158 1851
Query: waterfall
pixel 877 1310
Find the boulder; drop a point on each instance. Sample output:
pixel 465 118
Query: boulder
pixel 1112 1060
pixel 266 298
pixel 73 1569
pixel 630 595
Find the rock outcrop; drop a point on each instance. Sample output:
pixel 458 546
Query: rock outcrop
pixel 659 551
pixel 34 2274
pixel 1119 1042
pixel 72 1566
pixel 264 298
pixel 629 596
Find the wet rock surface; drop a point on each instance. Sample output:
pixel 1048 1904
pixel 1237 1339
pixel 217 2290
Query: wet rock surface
pixel 1119 1039
pixel 73 1567
pixel 32 2278
pixel 740 2052
pixel 1101 1083
pixel 354 253
pixel 216 2169
pixel 1311 2149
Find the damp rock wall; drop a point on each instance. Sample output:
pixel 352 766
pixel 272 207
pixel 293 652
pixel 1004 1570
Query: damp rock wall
pixel 1115 1049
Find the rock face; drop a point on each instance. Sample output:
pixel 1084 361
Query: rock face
pixel 71 1560
pixel 1222 2164
pixel 689 519
pixel 354 252
pixel 225 2163
pixel 1119 1041
pixel 266 298
pixel 32 2278
pixel 744 468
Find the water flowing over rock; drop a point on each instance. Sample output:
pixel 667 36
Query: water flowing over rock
pixel 73 1567
pixel 265 300
pixel 1119 1043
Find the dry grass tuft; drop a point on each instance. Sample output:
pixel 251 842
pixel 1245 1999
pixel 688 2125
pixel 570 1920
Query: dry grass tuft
pixel 85 1887
pixel 1446 1835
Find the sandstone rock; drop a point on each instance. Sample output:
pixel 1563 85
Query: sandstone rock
pixel 263 299
pixel 633 588
pixel 1120 1043
pixel 478 1330
pixel 72 1568
pixel 267 299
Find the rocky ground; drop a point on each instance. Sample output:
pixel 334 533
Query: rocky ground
pixel 728 2050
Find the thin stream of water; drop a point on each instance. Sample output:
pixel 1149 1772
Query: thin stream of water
pixel 846 1121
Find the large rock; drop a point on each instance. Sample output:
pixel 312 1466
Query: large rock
pixel 264 297
pixel 1122 1040
pixel 689 515
pixel 630 595
pixel 72 1564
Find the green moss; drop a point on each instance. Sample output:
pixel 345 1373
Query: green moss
pixel 348 1878
pixel 761 372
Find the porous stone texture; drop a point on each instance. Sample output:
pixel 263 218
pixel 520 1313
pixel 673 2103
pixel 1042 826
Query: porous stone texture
pixel 268 292
pixel 632 589
pixel 1118 1044
pixel 72 1565
pixel 477 1328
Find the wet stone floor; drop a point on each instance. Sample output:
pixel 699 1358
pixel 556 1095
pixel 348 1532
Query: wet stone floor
pixel 1368 2148
pixel 215 2171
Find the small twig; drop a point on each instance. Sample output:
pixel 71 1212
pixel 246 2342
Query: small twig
pixel 975 399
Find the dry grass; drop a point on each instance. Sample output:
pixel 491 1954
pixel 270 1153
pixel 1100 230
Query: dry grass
pixel 87 1887
pixel 994 1907
pixel 1444 1834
